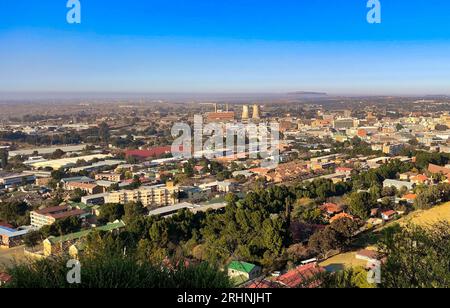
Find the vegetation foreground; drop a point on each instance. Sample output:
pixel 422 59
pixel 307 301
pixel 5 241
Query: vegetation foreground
pixel 413 257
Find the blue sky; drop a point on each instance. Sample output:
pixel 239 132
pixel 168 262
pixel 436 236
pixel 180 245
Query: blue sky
pixel 226 46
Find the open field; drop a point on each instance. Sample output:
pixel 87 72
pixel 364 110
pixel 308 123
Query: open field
pixel 341 261
pixel 428 217
pixel 9 256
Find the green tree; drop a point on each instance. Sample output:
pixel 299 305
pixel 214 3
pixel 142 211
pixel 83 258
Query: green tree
pixel 111 212
pixel 104 132
pixel 417 257
pixel 133 210
pixel 360 204
pixel 3 158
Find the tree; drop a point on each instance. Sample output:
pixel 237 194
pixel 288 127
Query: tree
pixel 336 236
pixel 13 212
pixel 32 239
pixel 360 204
pixel 416 257
pixel 350 278
pixel 133 210
pixel 62 227
pixel 103 132
pixel 111 212
pixel 77 194
pixel 57 154
pixel 3 158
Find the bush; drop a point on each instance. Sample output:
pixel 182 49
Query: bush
pixel 116 272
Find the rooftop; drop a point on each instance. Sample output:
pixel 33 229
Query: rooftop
pixel 81 234
pixel 241 266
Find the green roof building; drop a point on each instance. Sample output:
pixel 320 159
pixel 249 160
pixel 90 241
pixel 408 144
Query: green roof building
pixel 241 272
pixel 53 245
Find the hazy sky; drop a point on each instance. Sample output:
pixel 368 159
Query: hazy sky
pixel 226 46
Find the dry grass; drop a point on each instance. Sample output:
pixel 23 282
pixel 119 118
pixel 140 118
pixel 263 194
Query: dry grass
pixel 11 256
pixel 428 217
pixel 343 260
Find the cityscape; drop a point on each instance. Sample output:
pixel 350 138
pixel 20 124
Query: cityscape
pixel 263 178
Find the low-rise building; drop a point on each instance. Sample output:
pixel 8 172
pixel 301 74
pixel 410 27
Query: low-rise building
pixel 111 177
pixel 399 185
pixel 88 188
pixel 242 272
pixel 11 180
pixel 97 199
pixel 10 238
pixel 49 216
pixel 301 276
pixel 58 245
pixel 79 179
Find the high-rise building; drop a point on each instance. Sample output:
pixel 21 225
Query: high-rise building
pixel 245 112
pixel 256 112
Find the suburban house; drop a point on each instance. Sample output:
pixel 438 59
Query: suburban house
pixel 341 216
pixel 331 209
pixel 389 215
pixel 409 198
pixel 438 169
pixel 243 271
pixel 421 179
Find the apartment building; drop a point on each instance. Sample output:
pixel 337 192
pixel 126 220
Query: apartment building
pixel 49 216
pixel 158 195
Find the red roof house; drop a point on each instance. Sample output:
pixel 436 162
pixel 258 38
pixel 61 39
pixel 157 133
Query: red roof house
pixel 302 275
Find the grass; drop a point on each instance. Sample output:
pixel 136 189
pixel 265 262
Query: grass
pixel 428 217
pixel 343 261
pixel 11 256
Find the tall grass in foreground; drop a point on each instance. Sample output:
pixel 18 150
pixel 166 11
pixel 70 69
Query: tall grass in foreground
pixel 115 272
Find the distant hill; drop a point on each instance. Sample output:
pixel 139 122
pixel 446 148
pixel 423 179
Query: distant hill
pixel 308 93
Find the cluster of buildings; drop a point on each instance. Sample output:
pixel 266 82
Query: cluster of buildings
pixel 388 135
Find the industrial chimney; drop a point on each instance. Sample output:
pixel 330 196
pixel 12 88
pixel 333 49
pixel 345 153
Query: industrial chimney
pixel 245 112
pixel 256 113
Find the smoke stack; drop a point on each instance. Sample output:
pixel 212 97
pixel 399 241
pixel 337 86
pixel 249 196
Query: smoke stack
pixel 256 113
pixel 245 112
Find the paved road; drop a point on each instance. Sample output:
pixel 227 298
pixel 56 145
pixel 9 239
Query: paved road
pixel 9 256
